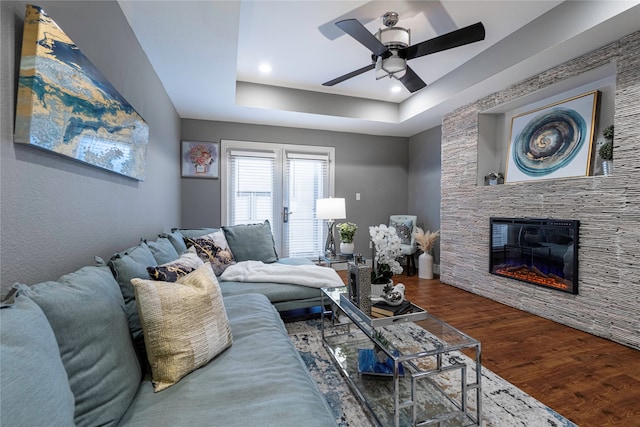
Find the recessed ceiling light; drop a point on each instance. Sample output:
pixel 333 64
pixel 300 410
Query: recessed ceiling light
pixel 396 89
pixel 264 68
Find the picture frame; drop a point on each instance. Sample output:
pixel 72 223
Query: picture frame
pixel 66 106
pixel 554 141
pixel 200 159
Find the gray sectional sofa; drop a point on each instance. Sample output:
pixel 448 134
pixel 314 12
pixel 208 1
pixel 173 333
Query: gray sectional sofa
pixel 72 353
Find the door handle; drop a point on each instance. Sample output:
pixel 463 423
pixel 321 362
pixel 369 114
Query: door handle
pixel 285 216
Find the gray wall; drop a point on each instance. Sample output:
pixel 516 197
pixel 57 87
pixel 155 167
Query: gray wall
pixel 56 214
pixel 374 166
pixel 424 181
pixel 608 208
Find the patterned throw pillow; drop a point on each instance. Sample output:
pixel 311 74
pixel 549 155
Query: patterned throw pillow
pixel 185 324
pixel 213 248
pixel 172 271
pixel 403 230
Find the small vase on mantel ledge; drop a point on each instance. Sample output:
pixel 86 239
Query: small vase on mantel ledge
pixel 606 151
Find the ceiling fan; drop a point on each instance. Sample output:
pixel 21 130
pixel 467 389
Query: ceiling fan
pixel 391 49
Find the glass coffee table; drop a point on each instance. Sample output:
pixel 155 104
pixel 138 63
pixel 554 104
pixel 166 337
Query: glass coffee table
pixel 404 374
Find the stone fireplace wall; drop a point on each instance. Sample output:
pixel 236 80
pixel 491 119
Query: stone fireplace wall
pixel 608 207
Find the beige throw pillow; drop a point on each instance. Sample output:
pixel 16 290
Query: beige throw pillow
pixel 185 324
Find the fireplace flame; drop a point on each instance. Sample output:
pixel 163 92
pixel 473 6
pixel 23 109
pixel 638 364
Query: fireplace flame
pixel 534 275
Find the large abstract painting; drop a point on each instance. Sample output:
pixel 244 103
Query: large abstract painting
pixel 67 106
pixel 553 141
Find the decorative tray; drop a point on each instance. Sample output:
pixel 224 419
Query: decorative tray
pixel 417 314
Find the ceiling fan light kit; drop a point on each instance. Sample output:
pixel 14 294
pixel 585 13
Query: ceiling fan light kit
pixel 393 66
pixel 391 49
pixel 394 38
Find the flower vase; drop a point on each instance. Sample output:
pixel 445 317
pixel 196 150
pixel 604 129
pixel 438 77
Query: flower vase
pixel 347 248
pixel 425 266
pixel 201 169
pixel 377 289
pixel 607 167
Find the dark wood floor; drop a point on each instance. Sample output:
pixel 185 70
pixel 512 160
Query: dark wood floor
pixel 591 381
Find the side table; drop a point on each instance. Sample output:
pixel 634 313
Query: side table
pixel 338 259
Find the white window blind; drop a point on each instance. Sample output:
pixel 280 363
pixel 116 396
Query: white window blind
pixel 307 180
pixel 251 187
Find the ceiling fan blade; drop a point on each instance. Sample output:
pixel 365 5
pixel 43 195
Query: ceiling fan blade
pixel 358 31
pixel 349 75
pixel 472 33
pixel 412 81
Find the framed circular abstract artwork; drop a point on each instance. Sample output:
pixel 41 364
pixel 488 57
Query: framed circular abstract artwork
pixel 553 141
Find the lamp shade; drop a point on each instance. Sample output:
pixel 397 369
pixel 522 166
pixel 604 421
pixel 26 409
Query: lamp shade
pixel 331 208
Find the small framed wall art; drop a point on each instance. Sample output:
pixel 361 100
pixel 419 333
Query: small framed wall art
pixel 200 159
pixel 553 141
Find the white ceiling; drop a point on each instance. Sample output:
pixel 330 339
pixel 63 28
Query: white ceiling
pixel 207 53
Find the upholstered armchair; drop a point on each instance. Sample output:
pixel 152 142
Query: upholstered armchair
pixel 405 225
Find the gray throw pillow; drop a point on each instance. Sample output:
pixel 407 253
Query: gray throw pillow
pixel 251 242
pixel 125 266
pixel 194 232
pixel 35 387
pixel 163 250
pixel 177 240
pixel 86 312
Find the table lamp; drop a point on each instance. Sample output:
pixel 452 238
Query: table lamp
pixel 330 209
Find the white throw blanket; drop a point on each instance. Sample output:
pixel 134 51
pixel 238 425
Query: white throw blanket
pixel 304 275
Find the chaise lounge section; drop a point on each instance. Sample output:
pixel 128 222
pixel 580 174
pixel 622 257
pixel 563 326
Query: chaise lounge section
pixel 73 352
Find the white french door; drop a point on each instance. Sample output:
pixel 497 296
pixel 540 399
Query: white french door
pixel 280 183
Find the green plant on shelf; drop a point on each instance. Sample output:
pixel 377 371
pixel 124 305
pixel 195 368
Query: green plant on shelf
pixel 606 149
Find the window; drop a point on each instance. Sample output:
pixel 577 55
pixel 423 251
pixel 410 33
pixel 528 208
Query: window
pixel 280 183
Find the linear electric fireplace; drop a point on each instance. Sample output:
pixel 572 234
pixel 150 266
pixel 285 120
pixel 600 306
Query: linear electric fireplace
pixel 539 251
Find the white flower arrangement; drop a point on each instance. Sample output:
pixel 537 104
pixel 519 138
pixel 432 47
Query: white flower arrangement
pixel 388 249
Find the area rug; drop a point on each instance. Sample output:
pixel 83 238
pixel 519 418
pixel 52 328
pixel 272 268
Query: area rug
pixel 503 404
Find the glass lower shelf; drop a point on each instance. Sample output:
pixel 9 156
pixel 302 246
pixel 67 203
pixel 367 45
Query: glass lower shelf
pixel 437 393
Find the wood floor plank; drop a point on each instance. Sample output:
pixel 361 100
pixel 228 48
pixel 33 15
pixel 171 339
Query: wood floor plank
pixel 591 381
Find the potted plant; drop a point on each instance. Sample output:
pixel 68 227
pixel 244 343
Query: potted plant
pixel 387 250
pixel 347 230
pixel 425 242
pixel 606 151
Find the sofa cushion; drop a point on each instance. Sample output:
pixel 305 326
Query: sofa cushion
pixel 177 240
pixel 126 265
pixel 194 232
pixel 172 271
pixel 163 250
pixel 185 324
pixel 213 248
pixel 35 387
pixel 251 242
pixel 87 314
pixel 259 381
